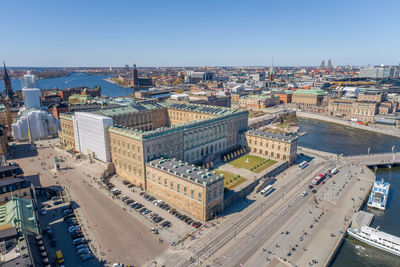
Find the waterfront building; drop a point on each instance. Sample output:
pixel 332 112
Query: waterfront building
pixel 136 81
pixel 308 98
pixel 270 145
pixel 186 187
pixel 363 111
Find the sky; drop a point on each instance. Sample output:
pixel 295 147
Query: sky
pixel 199 33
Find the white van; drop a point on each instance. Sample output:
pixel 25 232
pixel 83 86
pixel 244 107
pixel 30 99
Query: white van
pixel 334 171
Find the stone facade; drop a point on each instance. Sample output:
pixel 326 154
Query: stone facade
pixel 371 96
pixel 269 145
pixel 66 134
pixel 308 98
pixel 182 185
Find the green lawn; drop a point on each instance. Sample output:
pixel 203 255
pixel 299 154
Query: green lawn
pixel 231 181
pixel 255 164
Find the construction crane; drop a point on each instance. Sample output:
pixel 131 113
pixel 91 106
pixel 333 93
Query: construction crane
pixel 349 82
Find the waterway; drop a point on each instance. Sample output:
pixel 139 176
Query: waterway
pixel 350 141
pixel 76 80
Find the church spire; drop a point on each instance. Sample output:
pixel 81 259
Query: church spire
pixel 7 83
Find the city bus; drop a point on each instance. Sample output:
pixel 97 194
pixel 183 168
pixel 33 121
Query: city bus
pixel 268 189
pixel 303 165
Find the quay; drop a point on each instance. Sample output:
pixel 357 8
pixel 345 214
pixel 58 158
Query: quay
pixel 307 115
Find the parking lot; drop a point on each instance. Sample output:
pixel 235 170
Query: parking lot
pixel 171 224
pixel 57 236
pixel 114 233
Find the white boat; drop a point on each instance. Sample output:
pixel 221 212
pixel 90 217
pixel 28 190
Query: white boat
pixel 377 239
pixel 379 195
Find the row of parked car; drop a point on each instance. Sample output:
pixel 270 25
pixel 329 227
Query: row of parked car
pixel 166 207
pixel 139 207
pixel 78 239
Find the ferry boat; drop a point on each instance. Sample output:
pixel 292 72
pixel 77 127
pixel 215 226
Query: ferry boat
pixel 377 239
pixel 379 195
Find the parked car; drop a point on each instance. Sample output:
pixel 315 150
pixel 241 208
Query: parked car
pixel 125 182
pixel 130 185
pixel 58 202
pixel 43 211
pixel 86 257
pixel 81 246
pixel 79 241
pixel 196 224
pixel 124 198
pixel 129 201
pixel 77 235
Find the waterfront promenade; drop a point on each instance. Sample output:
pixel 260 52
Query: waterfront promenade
pixel 388 131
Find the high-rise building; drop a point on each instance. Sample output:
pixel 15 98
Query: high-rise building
pixel 7 84
pixel 322 66
pixel 126 68
pixel 329 64
pixel 379 72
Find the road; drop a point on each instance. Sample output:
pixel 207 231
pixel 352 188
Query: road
pixel 204 248
pixel 121 237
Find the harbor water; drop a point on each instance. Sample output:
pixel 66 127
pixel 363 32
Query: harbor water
pixel 76 80
pixel 349 141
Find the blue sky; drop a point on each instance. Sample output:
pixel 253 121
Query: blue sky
pixel 199 33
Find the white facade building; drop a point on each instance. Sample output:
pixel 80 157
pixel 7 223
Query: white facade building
pixel 34 124
pixel 31 92
pixel 91 136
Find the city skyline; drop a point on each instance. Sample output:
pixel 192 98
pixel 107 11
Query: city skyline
pixel 163 34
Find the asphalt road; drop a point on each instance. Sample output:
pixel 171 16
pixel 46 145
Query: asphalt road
pixel 121 237
pixel 237 224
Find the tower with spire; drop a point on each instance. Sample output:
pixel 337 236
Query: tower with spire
pixel 271 71
pixel 135 76
pixel 7 84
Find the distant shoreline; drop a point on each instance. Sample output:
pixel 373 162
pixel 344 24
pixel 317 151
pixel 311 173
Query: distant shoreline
pixel 307 115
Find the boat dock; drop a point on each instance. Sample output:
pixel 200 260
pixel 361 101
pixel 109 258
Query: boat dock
pixel 361 218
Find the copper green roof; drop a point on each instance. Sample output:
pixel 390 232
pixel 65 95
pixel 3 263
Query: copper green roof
pixel 262 96
pixel 20 213
pixel 309 92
